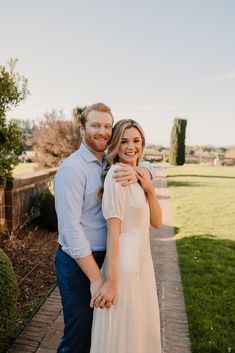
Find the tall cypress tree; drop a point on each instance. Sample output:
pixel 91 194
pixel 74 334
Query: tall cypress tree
pixel 177 147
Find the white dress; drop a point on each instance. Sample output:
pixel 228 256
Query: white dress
pixel 132 325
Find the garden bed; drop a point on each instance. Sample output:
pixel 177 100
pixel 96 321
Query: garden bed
pixel 32 254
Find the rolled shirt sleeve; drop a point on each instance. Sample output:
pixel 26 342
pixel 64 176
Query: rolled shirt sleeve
pixel 69 191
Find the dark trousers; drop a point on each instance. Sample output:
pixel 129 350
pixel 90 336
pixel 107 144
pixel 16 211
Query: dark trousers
pixel 74 289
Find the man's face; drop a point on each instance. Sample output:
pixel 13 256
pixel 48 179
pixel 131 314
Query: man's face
pixel 97 131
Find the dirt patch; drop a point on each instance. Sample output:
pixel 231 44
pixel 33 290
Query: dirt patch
pixel 32 255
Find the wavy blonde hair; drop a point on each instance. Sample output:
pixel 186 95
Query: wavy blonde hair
pixel 114 144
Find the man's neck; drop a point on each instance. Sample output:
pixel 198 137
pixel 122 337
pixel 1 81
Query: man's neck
pixel 99 155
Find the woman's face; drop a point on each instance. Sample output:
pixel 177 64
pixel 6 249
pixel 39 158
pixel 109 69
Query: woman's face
pixel 131 146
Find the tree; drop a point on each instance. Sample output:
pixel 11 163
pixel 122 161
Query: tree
pixel 54 139
pixel 77 111
pixel 13 89
pixel 26 127
pixel 177 147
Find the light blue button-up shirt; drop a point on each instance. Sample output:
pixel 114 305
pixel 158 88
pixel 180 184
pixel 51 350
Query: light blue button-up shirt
pixel 81 225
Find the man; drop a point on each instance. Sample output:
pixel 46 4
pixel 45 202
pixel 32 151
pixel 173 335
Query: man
pixel 82 228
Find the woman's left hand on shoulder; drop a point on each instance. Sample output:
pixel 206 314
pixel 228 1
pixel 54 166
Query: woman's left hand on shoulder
pixel 144 178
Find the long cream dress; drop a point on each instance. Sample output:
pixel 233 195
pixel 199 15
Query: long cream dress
pixel 132 325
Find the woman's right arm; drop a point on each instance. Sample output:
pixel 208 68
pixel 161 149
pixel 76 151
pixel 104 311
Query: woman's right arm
pixel 106 295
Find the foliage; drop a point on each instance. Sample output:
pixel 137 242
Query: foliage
pixel 13 89
pixel 177 148
pixel 8 298
pixel 48 217
pixel 26 127
pixel 54 139
pixel 77 111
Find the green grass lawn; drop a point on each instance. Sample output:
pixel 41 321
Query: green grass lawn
pixel 203 206
pixel 24 168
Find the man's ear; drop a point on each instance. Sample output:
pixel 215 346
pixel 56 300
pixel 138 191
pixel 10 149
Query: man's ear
pixel 82 130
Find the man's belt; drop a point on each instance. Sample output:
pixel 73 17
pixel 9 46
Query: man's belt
pixel 95 254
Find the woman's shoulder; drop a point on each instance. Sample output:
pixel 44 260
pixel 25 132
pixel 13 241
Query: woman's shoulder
pixel 109 176
pixel 112 169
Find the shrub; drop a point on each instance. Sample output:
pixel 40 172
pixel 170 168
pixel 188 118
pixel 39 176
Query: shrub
pixel 48 217
pixel 177 148
pixel 8 298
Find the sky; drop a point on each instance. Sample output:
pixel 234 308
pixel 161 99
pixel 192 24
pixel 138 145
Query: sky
pixel 149 60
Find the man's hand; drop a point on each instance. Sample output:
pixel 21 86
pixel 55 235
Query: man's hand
pixel 125 175
pixel 94 289
pixel 106 295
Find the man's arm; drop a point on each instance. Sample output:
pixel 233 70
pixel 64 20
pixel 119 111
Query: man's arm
pixel 154 207
pixel 107 293
pixel 69 190
pixel 92 271
pixel 127 175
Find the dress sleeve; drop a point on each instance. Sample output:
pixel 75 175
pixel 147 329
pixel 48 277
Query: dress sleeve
pixel 114 197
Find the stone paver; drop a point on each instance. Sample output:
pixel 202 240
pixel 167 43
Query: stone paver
pixel 174 325
pixel 43 332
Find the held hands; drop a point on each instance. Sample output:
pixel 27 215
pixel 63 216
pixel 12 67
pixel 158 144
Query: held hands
pixel 105 297
pixel 125 174
pixel 95 287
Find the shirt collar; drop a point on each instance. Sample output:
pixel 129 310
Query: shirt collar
pixel 87 155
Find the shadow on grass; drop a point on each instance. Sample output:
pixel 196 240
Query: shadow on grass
pixel 200 176
pixel 162 197
pixel 176 230
pixel 207 267
pixel 182 183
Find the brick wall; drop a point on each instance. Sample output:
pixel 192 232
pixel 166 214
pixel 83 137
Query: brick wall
pixel 2 210
pixel 20 200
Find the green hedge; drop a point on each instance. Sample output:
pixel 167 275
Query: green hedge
pixel 8 298
pixel 48 217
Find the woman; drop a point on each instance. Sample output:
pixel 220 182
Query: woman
pixel 131 324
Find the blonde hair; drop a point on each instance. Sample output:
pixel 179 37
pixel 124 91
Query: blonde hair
pixel 114 144
pixel 98 107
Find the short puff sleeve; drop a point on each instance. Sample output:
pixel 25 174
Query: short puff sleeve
pixel 114 197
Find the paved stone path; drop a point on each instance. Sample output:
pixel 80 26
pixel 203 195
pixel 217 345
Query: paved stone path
pixel 43 332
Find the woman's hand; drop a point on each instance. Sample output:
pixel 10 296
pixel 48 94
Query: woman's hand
pixel 125 174
pixel 106 295
pixel 95 287
pixel 143 176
